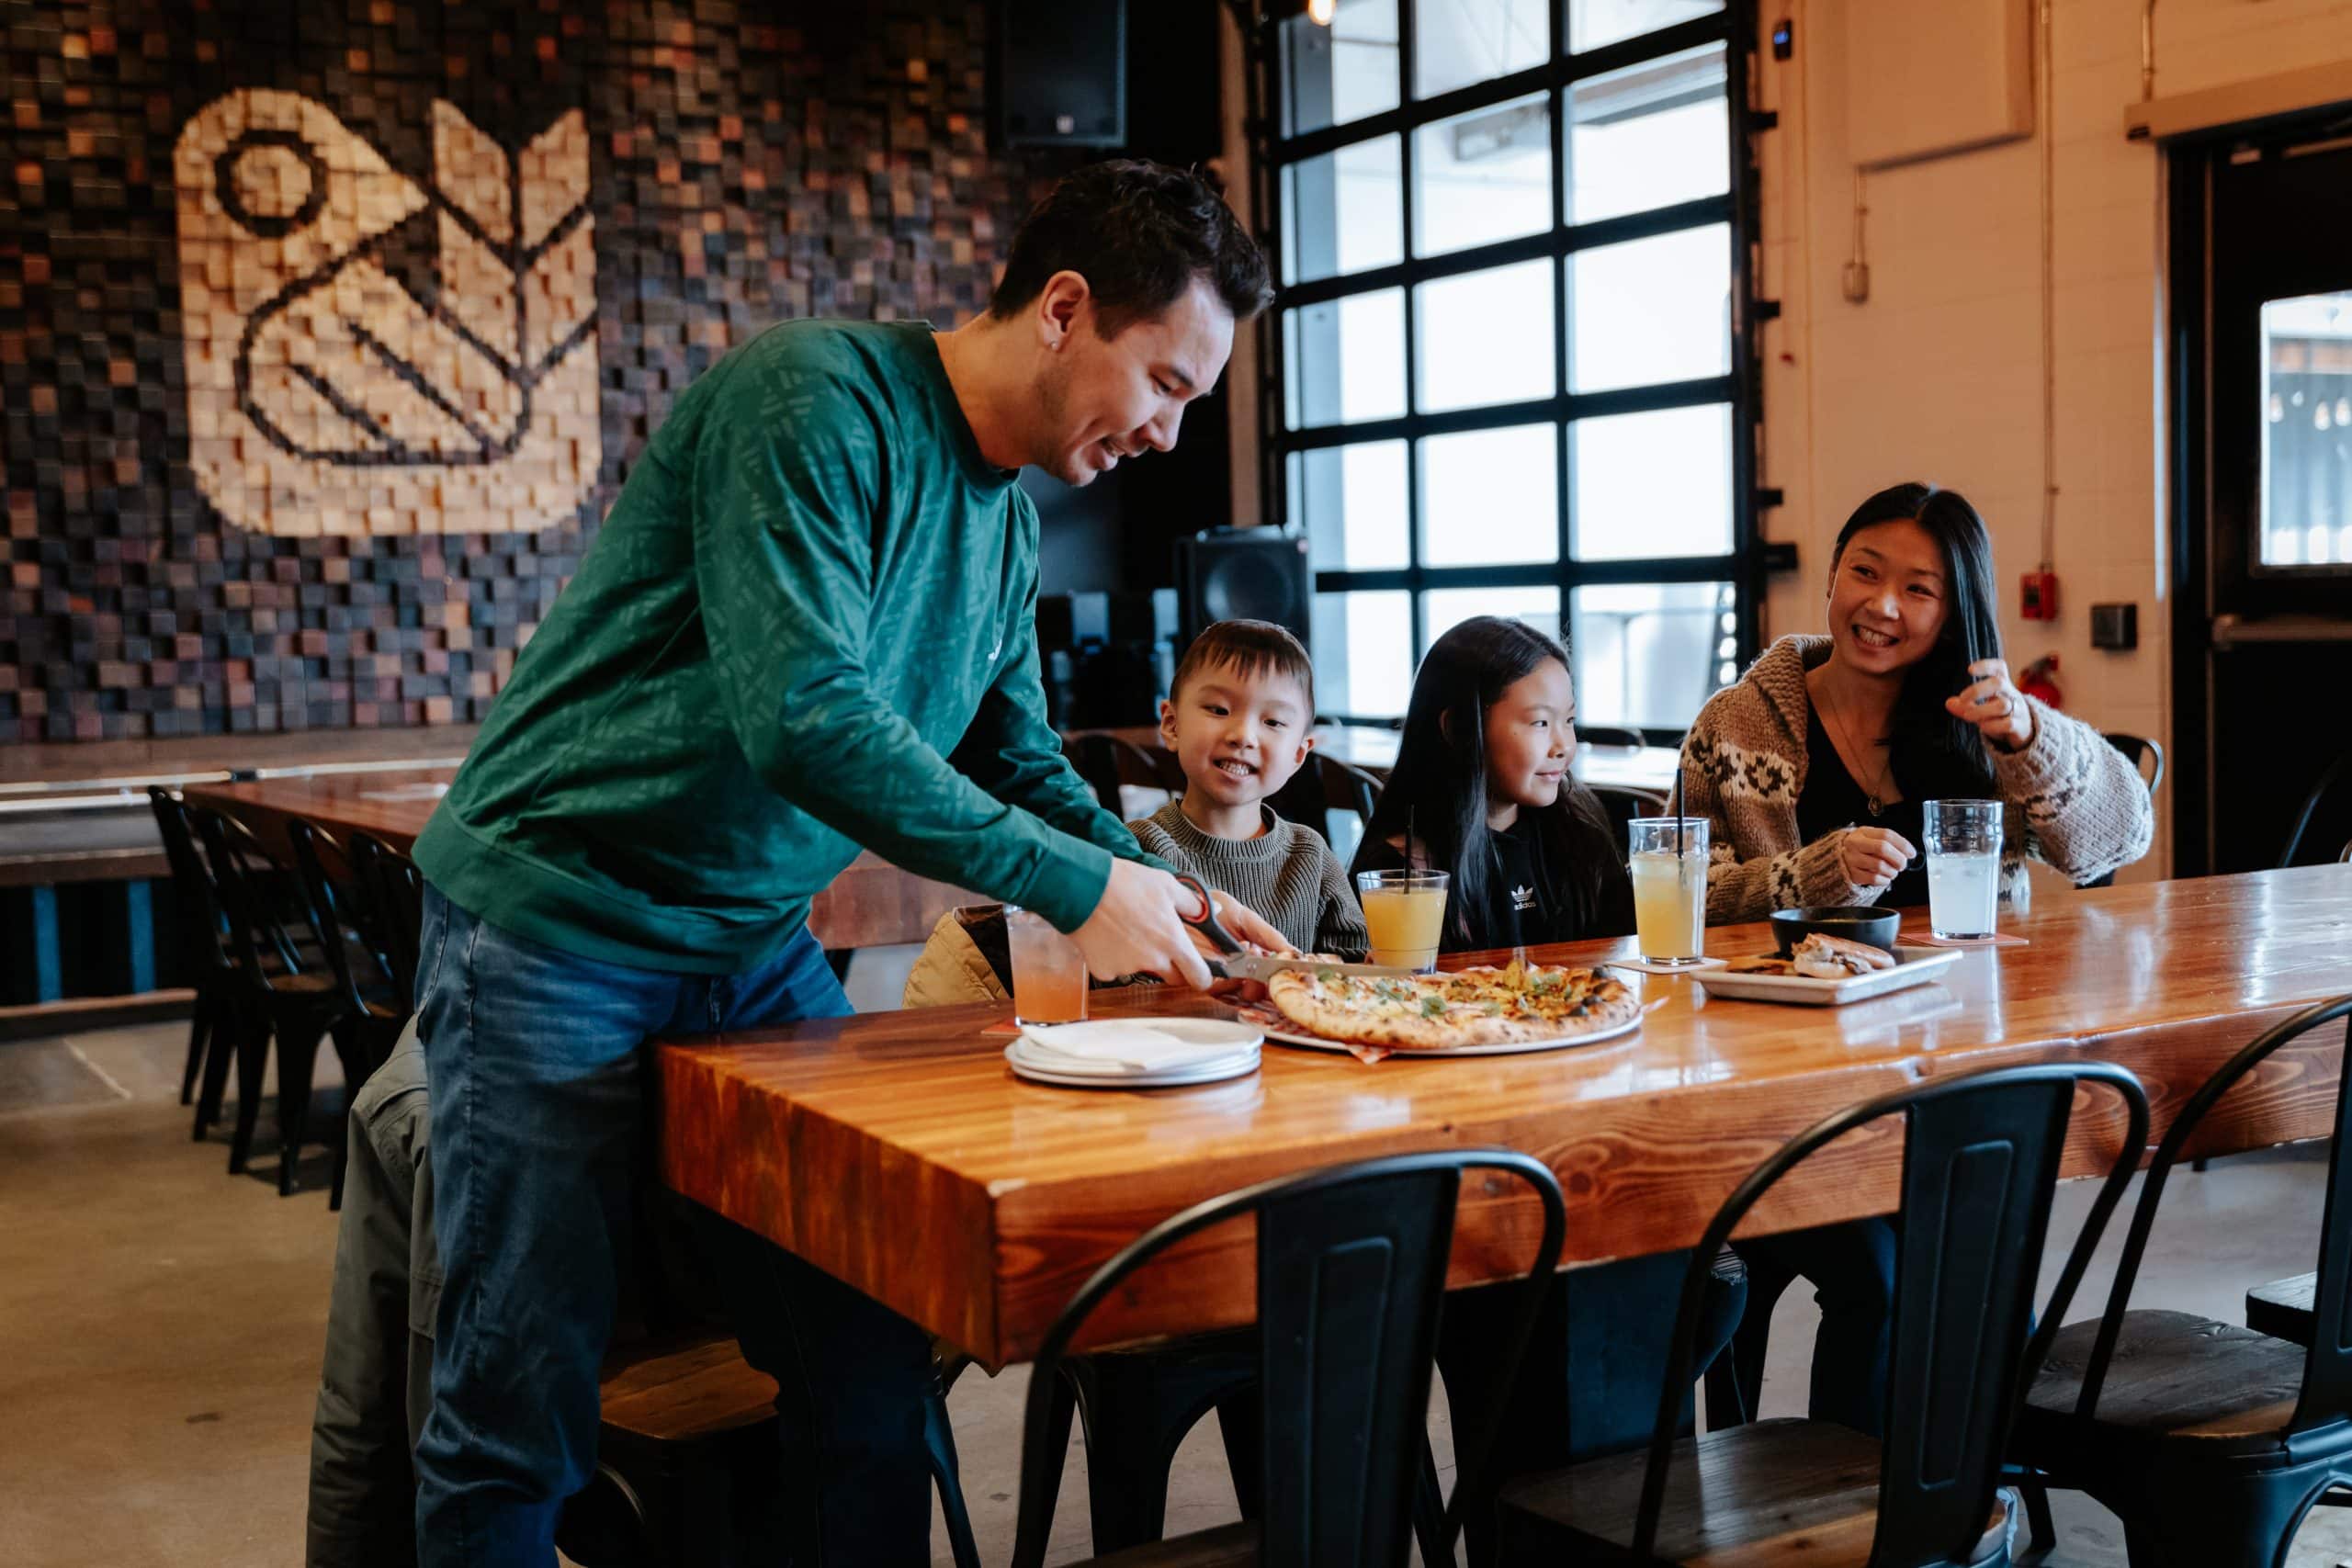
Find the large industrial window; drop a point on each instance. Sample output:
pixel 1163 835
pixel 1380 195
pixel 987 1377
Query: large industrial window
pixel 1509 367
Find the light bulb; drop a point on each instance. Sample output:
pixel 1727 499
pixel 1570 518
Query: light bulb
pixel 1320 12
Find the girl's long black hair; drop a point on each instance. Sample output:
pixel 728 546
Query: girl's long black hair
pixel 1440 782
pixel 1933 752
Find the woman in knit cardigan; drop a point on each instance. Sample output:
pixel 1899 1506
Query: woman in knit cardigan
pixel 1812 772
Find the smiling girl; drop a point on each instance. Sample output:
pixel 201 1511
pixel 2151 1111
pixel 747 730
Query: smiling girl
pixel 1814 768
pixel 1482 777
pixel 1482 785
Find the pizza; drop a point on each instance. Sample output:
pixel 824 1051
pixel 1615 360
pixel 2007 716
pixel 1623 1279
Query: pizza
pixel 1521 1004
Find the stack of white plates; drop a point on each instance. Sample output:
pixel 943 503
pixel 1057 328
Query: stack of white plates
pixel 1135 1053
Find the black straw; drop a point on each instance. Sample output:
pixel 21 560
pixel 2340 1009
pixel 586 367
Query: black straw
pixel 1678 811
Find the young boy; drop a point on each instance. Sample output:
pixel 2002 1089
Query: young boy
pixel 1241 717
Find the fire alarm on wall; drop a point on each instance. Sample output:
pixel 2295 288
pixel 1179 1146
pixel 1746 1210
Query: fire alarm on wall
pixel 2038 596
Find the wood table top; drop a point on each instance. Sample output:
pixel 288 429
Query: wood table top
pixel 81 762
pixel 899 1152
pixel 872 904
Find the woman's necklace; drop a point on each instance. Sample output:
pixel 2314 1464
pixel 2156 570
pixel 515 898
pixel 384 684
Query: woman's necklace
pixel 1871 794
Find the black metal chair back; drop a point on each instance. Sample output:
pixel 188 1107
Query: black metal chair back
pixel 2144 752
pixel 241 869
pixel 1351 1264
pixel 1621 805
pixel 2338 771
pixel 2326 1396
pixel 1345 786
pixel 201 907
pixel 352 930
pixel 1106 762
pixel 1981 1158
pixel 397 887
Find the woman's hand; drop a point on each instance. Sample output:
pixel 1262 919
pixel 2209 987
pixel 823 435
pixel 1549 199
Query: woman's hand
pixel 1994 704
pixel 1873 857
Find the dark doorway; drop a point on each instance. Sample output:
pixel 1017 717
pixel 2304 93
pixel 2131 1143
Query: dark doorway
pixel 2262 521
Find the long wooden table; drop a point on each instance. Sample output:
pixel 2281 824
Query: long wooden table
pixel 897 1152
pixel 872 904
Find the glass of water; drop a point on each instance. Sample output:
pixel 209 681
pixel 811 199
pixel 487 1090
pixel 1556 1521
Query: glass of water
pixel 1963 866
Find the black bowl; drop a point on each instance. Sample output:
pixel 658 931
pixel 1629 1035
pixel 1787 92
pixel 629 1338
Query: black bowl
pixel 1875 928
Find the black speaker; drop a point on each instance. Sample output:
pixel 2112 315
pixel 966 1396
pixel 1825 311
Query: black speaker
pixel 1245 574
pixel 1072 620
pixel 1060 73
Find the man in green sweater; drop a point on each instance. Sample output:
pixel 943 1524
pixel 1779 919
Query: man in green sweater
pixel 806 628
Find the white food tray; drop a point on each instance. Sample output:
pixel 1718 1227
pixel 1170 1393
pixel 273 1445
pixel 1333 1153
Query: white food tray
pixel 1913 966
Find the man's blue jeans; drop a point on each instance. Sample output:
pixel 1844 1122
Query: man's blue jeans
pixel 535 1062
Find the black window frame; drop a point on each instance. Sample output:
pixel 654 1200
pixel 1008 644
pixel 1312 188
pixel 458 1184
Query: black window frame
pixel 1744 565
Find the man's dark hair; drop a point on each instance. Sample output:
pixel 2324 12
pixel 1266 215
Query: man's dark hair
pixel 1139 232
pixel 1249 648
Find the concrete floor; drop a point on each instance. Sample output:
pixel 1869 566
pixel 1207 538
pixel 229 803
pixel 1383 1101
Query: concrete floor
pixel 159 1325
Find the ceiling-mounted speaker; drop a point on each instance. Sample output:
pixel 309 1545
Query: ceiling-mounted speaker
pixel 1060 69
pixel 1245 574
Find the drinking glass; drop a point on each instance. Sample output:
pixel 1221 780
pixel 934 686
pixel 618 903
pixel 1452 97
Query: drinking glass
pixel 1964 867
pixel 1670 887
pixel 1049 971
pixel 1403 916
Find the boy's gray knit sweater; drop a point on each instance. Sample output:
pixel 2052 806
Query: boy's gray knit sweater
pixel 1287 874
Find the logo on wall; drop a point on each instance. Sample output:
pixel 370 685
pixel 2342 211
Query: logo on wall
pixel 370 355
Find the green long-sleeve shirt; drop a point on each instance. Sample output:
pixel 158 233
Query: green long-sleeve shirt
pixel 807 625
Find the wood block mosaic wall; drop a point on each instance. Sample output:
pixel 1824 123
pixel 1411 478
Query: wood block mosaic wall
pixel 329 330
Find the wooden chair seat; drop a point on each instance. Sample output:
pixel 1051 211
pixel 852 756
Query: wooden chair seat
pixel 2176 1379
pixel 1233 1546
pixel 681 1391
pixel 2282 1309
pixel 1777 1493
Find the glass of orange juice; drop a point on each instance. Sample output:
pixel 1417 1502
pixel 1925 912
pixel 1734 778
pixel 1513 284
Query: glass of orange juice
pixel 1404 914
pixel 1049 971
pixel 1669 866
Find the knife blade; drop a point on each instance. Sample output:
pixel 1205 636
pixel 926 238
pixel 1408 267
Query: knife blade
pixel 1253 966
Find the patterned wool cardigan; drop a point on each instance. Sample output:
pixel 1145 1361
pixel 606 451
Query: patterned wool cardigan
pixel 2074 801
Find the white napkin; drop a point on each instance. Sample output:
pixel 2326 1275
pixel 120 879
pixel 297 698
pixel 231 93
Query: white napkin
pixel 1130 1046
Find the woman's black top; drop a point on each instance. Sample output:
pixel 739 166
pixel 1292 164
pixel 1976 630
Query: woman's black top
pixel 1832 799
pixel 1524 904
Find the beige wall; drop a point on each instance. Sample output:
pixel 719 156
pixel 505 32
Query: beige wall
pixel 1938 376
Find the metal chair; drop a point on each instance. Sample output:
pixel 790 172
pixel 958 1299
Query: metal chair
pixel 283 996
pixel 398 888
pixel 1981 1157
pixel 355 932
pixel 2148 757
pixel 2208 1441
pixel 1106 762
pixel 1622 804
pixel 2335 773
pixel 204 929
pixel 1351 1264
pixel 1327 788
